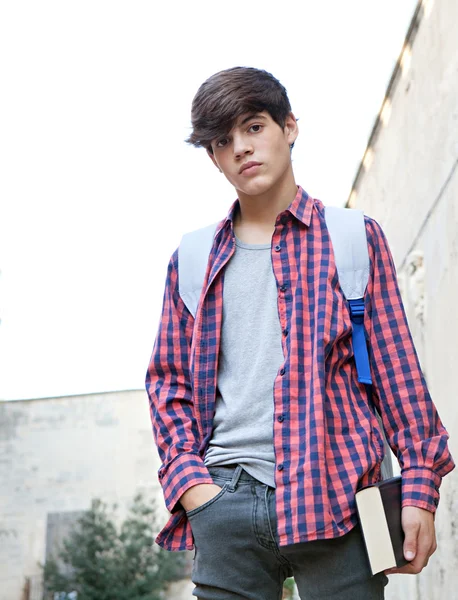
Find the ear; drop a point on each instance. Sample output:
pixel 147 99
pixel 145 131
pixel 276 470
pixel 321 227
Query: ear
pixel 291 128
pixel 213 159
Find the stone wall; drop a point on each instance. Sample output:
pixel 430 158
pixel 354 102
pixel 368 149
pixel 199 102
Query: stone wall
pixel 56 454
pixel 408 182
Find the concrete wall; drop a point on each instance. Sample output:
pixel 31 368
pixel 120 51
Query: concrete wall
pixel 410 185
pixel 57 454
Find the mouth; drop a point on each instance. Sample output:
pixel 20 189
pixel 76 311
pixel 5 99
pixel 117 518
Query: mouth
pixel 249 167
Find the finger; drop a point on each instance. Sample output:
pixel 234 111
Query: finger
pixel 411 531
pixel 425 548
pixel 410 547
pixel 405 570
pixel 413 568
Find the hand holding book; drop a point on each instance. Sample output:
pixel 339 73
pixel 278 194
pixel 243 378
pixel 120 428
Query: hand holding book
pixel 397 540
pixel 420 539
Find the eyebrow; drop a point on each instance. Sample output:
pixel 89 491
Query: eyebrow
pixel 252 116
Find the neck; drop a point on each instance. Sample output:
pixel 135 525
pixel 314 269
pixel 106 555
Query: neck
pixel 255 220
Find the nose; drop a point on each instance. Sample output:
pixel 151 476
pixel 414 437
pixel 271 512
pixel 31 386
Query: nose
pixel 241 145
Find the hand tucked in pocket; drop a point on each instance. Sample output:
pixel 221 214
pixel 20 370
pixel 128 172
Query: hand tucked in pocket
pixel 198 495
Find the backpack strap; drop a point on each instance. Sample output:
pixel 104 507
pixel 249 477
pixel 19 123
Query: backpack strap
pixel 193 256
pixel 347 230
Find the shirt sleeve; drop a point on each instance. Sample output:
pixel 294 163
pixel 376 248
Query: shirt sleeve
pixel 410 419
pixel 169 387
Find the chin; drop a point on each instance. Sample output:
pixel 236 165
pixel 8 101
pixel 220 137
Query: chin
pixel 256 187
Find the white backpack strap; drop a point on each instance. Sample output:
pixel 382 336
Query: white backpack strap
pixel 347 230
pixel 193 256
pixel 348 236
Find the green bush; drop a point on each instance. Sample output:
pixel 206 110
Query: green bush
pixel 98 561
pixel 288 589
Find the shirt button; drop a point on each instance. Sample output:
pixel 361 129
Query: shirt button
pixel 280 418
pixel 283 288
pixel 277 248
pixel 285 332
pixel 280 467
pixel 282 371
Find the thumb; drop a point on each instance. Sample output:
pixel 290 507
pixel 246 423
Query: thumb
pixel 410 542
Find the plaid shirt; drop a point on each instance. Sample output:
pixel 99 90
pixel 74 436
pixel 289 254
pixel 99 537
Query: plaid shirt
pixel 327 439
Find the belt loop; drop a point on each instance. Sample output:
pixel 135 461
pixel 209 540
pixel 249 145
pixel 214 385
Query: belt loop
pixel 235 479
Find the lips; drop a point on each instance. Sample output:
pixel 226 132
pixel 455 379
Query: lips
pixel 248 165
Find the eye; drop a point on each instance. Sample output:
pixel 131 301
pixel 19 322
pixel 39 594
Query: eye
pixel 221 143
pixel 255 128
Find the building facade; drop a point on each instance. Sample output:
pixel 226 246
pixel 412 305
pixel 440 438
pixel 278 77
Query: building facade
pixel 56 455
pixel 408 182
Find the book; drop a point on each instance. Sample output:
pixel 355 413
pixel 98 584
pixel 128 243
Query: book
pixel 379 511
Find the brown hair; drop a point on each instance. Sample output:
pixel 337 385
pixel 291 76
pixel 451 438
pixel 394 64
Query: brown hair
pixel 225 96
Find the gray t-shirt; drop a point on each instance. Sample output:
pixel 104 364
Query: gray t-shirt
pixel 250 356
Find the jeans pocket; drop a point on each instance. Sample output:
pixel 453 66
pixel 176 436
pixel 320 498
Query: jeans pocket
pixel 202 507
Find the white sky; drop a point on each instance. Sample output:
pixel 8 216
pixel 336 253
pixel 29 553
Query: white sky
pixel 96 183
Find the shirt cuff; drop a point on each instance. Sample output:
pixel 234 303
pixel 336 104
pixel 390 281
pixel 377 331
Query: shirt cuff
pixel 420 488
pixel 182 473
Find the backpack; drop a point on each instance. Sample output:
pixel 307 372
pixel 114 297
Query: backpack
pixel 347 231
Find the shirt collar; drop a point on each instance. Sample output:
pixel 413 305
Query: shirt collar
pixel 301 208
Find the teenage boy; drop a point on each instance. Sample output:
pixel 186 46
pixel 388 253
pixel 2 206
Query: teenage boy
pixel 262 427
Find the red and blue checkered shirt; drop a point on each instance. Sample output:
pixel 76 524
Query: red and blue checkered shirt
pixel 327 439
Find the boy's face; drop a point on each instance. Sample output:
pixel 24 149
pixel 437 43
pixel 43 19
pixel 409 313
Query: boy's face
pixel 256 140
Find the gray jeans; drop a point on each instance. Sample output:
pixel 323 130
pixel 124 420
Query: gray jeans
pixel 238 557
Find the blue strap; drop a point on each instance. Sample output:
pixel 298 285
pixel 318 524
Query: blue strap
pixel 364 374
pixel 359 341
